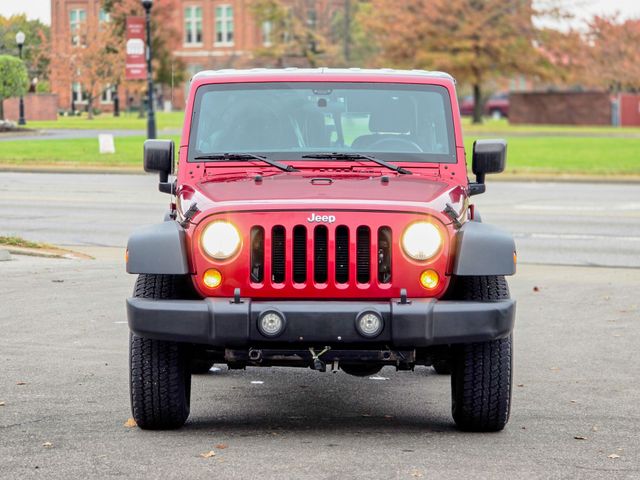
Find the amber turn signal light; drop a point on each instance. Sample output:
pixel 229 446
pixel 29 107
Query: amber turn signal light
pixel 212 278
pixel 429 279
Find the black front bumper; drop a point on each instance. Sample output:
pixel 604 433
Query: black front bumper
pixel 221 322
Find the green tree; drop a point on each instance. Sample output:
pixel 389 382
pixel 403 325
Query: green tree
pixel 36 51
pixel 14 80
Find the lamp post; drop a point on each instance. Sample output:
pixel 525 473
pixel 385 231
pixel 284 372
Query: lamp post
pixel 151 117
pixel 20 37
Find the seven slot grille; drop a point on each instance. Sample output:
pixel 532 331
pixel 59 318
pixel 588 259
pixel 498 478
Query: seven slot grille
pixel 321 254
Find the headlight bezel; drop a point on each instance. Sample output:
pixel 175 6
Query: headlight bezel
pixel 217 252
pixel 435 228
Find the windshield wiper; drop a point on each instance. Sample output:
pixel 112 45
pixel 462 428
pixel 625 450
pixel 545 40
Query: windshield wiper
pixel 246 156
pixel 357 156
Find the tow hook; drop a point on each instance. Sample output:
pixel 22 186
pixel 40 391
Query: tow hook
pixel 318 364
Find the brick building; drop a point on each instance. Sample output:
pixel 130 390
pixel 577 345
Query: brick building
pixel 214 34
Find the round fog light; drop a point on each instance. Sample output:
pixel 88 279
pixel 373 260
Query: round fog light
pixel 271 323
pixel 369 324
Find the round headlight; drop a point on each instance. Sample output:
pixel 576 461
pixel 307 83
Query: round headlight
pixel 421 240
pixel 220 240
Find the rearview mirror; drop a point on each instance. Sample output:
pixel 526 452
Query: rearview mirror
pixel 158 157
pixel 489 156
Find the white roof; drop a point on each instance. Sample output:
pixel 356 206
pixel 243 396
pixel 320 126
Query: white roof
pixel 322 70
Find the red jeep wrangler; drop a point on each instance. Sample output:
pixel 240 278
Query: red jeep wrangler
pixel 321 218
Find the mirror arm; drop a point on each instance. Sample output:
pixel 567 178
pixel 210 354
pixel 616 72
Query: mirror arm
pixel 479 186
pixel 165 186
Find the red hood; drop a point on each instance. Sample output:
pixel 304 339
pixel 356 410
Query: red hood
pixel 306 190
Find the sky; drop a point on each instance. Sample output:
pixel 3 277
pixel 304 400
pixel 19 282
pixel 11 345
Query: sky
pixel 41 9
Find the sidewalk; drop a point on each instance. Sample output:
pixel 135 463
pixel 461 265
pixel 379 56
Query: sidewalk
pixel 60 134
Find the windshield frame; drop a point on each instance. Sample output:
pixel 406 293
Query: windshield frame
pixel 395 157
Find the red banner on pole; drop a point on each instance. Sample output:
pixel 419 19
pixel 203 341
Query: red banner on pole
pixel 136 66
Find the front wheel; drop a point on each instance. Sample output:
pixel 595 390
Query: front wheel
pixel 481 373
pixel 160 371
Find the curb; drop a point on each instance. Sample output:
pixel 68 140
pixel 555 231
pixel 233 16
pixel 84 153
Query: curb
pixel 45 253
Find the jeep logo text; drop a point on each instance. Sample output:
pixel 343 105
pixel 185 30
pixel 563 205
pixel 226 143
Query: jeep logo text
pixel 314 218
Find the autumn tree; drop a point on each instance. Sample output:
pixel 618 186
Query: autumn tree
pixel 13 79
pixel 613 54
pixel 474 40
pixel 94 62
pixel 296 32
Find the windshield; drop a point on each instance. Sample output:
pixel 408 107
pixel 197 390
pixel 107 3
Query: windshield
pixel 286 120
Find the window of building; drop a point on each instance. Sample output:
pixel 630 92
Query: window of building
pixel 77 95
pixel 224 25
pixel 267 29
pixel 77 17
pixel 104 16
pixel 193 25
pixel 107 94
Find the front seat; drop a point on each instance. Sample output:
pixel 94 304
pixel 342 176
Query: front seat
pixel 388 119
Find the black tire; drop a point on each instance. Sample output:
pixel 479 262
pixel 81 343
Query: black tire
pixel 482 372
pixel 201 366
pixel 442 367
pixel 160 376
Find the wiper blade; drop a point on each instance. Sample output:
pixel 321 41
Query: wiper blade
pixel 357 156
pixel 246 156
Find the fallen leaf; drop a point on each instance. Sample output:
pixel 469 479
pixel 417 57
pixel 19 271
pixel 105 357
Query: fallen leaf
pixel 573 401
pixel 594 428
pixel 521 384
pixel 221 446
pixel 47 444
pixel 208 454
pixel 614 455
pixel 416 473
pixel 130 423
pixel 579 437
pixel 21 383
pixel 1 404
pixel 523 428
pixel 555 369
pixel 536 289
pixel 606 297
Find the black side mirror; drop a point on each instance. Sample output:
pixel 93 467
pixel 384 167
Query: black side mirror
pixel 158 157
pixel 489 156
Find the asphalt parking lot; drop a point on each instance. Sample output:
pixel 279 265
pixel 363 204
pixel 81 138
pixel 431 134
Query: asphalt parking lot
pixel 63 382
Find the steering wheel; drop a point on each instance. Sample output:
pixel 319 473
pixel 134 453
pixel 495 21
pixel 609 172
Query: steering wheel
pixel 400 143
